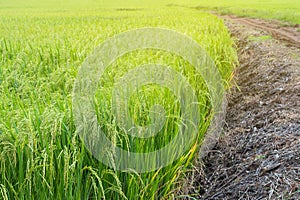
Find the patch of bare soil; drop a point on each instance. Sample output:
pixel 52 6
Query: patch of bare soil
pixel 289 35
pixel 258 155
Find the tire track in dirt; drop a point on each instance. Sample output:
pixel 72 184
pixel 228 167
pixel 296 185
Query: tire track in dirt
pixel 289 35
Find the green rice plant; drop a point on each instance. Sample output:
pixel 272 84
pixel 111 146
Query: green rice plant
pixel 41 156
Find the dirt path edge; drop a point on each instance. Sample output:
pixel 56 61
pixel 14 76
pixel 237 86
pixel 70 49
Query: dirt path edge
pixel 258 156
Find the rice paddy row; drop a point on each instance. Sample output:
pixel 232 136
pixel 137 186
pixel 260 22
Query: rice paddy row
pixel 41 156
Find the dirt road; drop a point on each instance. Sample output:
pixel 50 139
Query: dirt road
pixel 258 156
pixel 290 35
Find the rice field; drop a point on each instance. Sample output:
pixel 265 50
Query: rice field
pixel 42 49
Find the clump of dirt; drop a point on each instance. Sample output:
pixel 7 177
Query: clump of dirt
pixel 258 156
